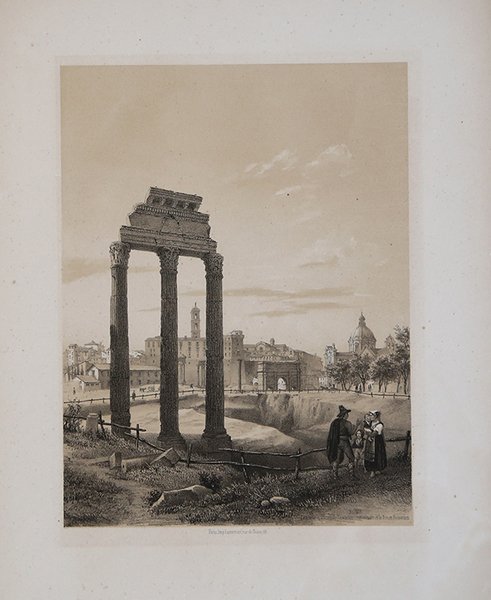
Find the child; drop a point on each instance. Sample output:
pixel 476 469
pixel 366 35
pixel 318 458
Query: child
pixel 358 446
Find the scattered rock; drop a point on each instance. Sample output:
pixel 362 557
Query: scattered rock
pixel 201 491
pixel 169 458
pixel 176 497
pixel 115 460
pixel 279 500
pixel 265 503
pixel 127 464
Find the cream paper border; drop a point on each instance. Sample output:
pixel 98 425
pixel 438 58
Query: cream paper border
pixel 444 553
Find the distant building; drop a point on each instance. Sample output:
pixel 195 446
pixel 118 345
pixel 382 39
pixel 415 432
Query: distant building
pixel 86 383
pixel 76 355
pixel 192 355
pixel 268 361
pixel 361 342
pixel 140 375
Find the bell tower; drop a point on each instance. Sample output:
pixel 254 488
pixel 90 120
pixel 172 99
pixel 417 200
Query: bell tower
pixel 195 323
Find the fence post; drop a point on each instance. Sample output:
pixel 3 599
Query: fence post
pixel 297 463
pixel 407 446
pixel 188 454
pixel 137 436
pixel 101 423
pixel 244 469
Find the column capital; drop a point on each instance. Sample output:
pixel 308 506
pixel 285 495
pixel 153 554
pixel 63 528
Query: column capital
pixel 169 259
pixel 120 253
pixel 213 264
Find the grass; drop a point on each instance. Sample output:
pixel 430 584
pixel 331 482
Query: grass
pixel 87 447
pixel 240 503
pixel 179 476
pixel 96 496
pixel 90 500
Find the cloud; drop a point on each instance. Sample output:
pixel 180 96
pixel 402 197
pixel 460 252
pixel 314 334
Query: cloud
pixel 250 167
pixel 321 253
pixel 330 261
pixel 79 268
pixel 299 309
pixel 337 154
pixel 271 295
pixel 283 161
pixel 288 190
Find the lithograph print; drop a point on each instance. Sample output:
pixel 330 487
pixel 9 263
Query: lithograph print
pixel 236 344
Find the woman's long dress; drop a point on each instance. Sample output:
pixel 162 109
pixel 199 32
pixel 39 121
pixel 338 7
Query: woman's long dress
pixel 375 453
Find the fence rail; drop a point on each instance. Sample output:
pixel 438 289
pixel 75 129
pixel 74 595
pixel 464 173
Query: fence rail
pixel 198 391
pixel 296 468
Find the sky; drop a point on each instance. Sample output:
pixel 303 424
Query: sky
pixel 302 169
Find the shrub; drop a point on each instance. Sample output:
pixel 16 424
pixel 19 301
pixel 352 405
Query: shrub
pixel 71 418
pixel 211 481
pixel 153 496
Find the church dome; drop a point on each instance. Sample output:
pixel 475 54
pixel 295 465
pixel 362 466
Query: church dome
pixel 362 337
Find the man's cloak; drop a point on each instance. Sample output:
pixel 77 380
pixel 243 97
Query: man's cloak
pixel 333 440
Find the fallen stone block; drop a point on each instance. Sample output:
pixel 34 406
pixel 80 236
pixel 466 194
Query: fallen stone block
pixel 279 500
pixel 265 503
pixel 176 497
pixel 115 460
pixel 127 464
pixel 201 491
pixel 168 458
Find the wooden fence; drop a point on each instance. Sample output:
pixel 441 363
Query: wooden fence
pixel 241 463
pixel 198 391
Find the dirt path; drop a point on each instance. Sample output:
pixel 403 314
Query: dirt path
pixel 138 513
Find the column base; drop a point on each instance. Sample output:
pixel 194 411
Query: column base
pixel 213 441
pixel 172 440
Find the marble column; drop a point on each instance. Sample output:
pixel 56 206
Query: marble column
pixel 169 367
pixel 120 353
pixel 214 434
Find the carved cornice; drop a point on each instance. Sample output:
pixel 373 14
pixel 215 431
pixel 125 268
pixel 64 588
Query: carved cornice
pixel 175 212
pixel 169 259
pixel 213 264
pixel 120 253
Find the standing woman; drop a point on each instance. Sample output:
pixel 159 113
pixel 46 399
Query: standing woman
pixel 375 454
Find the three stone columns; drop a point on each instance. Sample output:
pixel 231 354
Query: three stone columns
pixel 169 365
pixel 214 434
pixel 120 361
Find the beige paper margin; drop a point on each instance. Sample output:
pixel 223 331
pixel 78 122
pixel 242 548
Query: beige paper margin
pixel 444 553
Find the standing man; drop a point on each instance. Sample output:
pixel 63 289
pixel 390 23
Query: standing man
pixel 338 442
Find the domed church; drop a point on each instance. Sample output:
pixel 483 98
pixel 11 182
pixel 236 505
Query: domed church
pixel 362 338
pixel 362 342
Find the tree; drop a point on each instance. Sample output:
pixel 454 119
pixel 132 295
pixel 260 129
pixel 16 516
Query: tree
pixel 401 356
pixel 383 369
pixel 360 368
pixel 341 373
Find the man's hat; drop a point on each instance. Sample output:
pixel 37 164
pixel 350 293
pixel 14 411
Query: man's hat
pixel 343 411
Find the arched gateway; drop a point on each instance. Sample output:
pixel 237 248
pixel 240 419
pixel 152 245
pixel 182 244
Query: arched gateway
pixel 169 224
